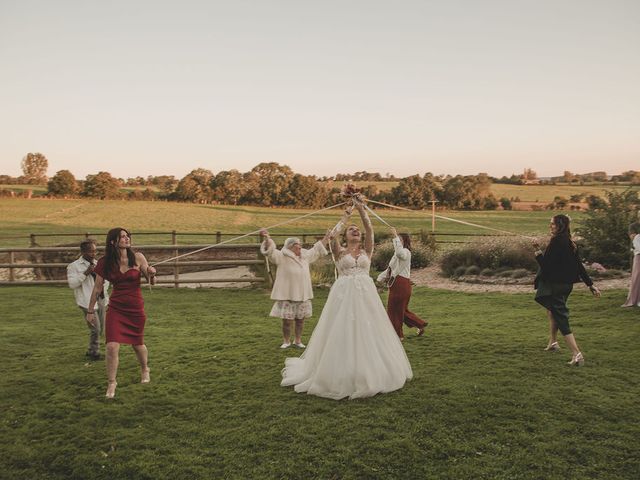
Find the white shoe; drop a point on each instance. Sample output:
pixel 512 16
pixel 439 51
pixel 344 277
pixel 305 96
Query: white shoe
pixel 285 345
pixel 300 345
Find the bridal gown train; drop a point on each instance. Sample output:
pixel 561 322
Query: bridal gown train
pixel 354 351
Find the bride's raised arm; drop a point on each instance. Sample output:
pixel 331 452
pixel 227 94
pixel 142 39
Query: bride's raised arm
pixel 368 229
pixel 335 232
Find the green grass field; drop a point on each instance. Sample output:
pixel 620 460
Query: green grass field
pixel 21 217
pixel 485 403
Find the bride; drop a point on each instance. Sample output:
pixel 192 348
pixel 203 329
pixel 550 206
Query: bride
pixel 354 351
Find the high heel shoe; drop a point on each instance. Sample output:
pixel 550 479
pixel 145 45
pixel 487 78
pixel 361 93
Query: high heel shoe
pixel 577 360
pixel 111 389
pixel 146 376
pixel 552 347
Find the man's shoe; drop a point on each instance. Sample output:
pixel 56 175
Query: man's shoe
pixel 285 345
pixel 300 345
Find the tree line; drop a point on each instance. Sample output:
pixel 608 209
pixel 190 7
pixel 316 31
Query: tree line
pixel 270 184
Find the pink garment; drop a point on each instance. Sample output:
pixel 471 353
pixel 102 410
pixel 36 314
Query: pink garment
pixel 633 299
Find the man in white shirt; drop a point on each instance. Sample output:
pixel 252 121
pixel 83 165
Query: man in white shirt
pixel 81 279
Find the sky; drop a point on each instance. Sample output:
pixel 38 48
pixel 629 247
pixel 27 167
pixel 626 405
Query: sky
pixel 143 87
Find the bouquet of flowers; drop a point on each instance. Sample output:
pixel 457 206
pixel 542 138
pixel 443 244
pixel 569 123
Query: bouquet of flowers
pixel 351 192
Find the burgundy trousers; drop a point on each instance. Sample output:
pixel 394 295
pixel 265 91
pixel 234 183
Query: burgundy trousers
pixel 398 306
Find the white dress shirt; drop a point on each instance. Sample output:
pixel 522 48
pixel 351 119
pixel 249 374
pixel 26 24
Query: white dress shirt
pixel 636 244
pixel 82 284
pixel 400 263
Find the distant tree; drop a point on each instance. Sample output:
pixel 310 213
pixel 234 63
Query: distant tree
pixel 411 192
pixel 559 203
pixel 604 231
pixel 102 186
pixel 165 183
pixel 490 202
pixel 466 192
pixel 506 203
pixel 34 167
pixel 529 174
pixel 8 180
pixel 273 182
pixel 307 191
pixel 195 187
pixel 596 203
pixel 576 197
pixel 227 187
pixel 146 194
pixel 568 176
pixel 62 184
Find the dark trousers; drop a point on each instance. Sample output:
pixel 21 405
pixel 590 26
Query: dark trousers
pixel 397 306
pixel 553 297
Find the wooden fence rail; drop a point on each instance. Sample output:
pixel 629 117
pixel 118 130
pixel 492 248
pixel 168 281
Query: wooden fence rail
pixel 172 250
pixel 173 267
pixel 217 237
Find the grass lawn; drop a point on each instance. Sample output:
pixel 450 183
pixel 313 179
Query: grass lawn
pixel 485 403
pixel 21 217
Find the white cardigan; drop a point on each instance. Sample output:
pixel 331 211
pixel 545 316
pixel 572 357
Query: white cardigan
pixel 293 280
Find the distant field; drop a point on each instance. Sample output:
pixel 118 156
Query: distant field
pixel 21 217
pixel 36 189
pixel 546 193
pixel 527 193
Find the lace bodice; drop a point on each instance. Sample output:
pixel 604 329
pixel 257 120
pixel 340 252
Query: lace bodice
pixel 349 265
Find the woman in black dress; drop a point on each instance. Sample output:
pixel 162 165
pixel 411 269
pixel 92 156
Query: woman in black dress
pixel 560 268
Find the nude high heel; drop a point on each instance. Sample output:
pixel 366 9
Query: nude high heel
pixel 577 360
pixel 553 347
pixel 111 389
pixel 146 376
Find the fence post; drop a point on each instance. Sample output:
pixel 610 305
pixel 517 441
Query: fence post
pixel 87 234
pixel 33 239
pixel 218 236
pixel 176 269
pixel 11 261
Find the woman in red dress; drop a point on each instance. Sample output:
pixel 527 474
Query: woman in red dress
pixel 125 314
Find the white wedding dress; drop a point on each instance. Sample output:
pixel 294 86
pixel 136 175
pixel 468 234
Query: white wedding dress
pixel 354 351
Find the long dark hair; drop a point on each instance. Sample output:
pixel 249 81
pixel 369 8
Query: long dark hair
pixel 112 255
pixel 563 229
pixel 406 240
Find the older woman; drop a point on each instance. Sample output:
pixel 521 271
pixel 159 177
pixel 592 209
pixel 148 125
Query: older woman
pixel 122 267
pixel 292 290
pixel 560 268
pixel 633 299
pixel 400 288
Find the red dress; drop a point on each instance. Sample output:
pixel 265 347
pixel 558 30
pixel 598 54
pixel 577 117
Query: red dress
pixel 125 313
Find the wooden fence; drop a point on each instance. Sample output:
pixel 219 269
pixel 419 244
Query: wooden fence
pixel 173 249
pixel 168 251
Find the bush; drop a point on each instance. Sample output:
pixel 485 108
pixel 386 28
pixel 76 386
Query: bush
pixel 421 256
pixel 520 273
pixel 611 273
pixel 322 271
pixel 487 272
pixel 498 254
pixel 460 271
pixel 604 231
pixel 472 270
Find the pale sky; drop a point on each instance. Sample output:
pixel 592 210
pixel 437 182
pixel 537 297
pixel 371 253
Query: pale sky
pixel 143 87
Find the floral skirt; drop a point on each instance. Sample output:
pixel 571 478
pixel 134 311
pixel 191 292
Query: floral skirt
pixel 291 310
